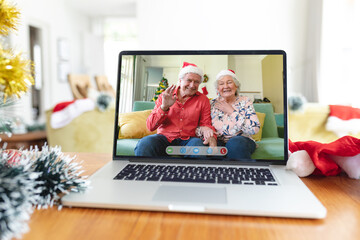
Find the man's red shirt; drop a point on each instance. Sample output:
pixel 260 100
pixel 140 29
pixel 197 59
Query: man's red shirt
pixel 181 120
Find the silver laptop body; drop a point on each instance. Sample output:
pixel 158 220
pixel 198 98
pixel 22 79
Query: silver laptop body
pixel 138 74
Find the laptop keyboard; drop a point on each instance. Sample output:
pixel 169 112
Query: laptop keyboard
pixel 197 174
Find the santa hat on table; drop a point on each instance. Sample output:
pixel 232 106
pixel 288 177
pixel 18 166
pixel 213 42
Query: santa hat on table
pixel 190 68
pixel 327 159
pixel 65 112
pixel 343 120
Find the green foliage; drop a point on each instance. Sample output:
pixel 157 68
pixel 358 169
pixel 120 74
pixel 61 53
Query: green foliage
pixel 163 85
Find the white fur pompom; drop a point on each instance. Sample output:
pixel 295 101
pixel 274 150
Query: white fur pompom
pixel 301 163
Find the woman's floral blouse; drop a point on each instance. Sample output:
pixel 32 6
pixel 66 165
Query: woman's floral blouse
pixel 243 121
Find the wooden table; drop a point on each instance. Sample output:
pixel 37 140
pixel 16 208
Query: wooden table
pixel 25 140
pixel 340 195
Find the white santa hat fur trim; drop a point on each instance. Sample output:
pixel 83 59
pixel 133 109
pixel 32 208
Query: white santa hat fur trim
pixel 343 120
pixel 227 72
pixel 190 68
pixel 62 117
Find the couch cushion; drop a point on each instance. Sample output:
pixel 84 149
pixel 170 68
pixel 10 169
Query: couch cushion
pixel 133 124
pixel 270 128
pixel 261 117
pixel 126 147
pixel 269 149
pixel 143 105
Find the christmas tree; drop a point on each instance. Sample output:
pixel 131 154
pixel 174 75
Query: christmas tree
pixel 163 84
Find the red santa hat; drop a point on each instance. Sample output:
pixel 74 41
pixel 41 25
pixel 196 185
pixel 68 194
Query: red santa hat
pixel 327 158
pixel 227 72
pixel 190 68
pixel 343 120
pixel 65 112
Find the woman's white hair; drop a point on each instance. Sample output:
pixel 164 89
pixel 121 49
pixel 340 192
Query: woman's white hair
pixel 230 73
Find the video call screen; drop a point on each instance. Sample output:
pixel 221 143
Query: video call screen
pixel 143 77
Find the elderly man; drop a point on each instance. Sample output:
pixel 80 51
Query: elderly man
pixel 177 113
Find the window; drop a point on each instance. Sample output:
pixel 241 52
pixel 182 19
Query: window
pixel 119 34
pixel 340 50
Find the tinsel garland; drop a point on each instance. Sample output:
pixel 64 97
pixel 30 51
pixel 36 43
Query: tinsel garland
pixel 60 174
pixel 33 178
pixel 18 193
pixel 15 73
pixel 28 178
pixel 9 17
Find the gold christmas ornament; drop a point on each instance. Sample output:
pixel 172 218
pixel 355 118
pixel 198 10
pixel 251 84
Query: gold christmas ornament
pixel 9 17
pixel 15 73
pixel 206 78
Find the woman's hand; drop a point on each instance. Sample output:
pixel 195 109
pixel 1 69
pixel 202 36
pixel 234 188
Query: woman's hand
pixel 222 105
pixel 168 99
pixel 211 141
pixel 206 132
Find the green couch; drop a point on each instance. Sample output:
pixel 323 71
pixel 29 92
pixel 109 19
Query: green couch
pixel 271 145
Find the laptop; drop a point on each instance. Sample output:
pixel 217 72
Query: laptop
pixel 192 179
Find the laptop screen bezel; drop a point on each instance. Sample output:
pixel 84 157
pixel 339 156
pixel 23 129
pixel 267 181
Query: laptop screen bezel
pixel 192 161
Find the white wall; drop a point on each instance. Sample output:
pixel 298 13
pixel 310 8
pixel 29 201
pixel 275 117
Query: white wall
pixel 57 20
pixel 172 24
pixel 228 24
pixel 340 50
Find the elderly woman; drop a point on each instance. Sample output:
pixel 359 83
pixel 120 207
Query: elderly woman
pixel 233 117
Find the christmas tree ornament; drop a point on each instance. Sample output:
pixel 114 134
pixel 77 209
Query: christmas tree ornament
pixel 206 78
pixel 9 17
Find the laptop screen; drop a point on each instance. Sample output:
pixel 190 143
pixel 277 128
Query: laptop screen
pixel 201 105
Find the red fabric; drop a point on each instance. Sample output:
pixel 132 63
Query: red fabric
pixel 204 90
pixel 344 112
pixel 182 119
pixel 185 64
pixel 62 105
pixel 320 153
pixel 232 71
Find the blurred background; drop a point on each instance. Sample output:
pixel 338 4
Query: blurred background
pixel 64 37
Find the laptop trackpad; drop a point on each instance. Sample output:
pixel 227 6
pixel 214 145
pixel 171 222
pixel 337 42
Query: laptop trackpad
pixel 191 194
